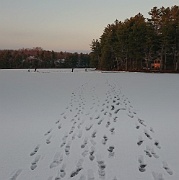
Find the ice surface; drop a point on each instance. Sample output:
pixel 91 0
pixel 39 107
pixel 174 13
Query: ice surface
pixel 56 124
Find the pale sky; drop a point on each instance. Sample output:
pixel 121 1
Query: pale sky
pixel 64 25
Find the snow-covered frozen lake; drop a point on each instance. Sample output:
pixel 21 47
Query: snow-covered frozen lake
pixel 55 124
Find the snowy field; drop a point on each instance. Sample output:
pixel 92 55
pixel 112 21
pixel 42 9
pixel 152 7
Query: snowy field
pixel 55 124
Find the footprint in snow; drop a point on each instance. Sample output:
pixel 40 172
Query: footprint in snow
pixel 166 167
pixel 104 140
pixel 117 103
pixel 72 120
pixel 84 142
pixel 57 122
pixel 112 131
pixel 62 113
pixel 48 140
pixel 116 111
pixel 63 143
pixel 34 163
pixel 112 107
pixel 85 152
pixel 58 158
pixel 142 164
pixel 110 114
pixel 97 117
pixel 100 121
pixel 111 151
pixel 78 168
pixel 130 115
pixel 105 113
pixel 108 124
pixel 35 150
pixel 74 173
pixel 101 168
pixel 94 134
pixel 62 172
pixel 115 119
pixel 59 126
pixel 48 132
pixel 67 148
pixel 16 174
pixel 72 129
pixel 154 154
pixel 79 134
pixel 73 137
pixel 88 127
pixel 141 122
pixel 151 129
pixel 156 143
pixel 91 153
pixel 140 141
pixel 148 151
pixel 137 126
pixel 74 124
pixel 147 134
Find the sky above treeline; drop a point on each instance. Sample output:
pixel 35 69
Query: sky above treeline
pixel 64 25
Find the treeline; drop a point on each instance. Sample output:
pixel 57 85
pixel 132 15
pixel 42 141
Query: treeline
pixel 137 43
pixel 39 58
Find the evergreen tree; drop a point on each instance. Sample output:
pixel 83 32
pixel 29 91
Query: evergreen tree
pixel 136 42
pixel 95 54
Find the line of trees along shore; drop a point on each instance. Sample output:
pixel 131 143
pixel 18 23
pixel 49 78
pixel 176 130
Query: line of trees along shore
pixel 39 58
pixel 137 42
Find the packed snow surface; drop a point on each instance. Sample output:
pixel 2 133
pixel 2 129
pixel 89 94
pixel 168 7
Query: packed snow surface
pixel 55 124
